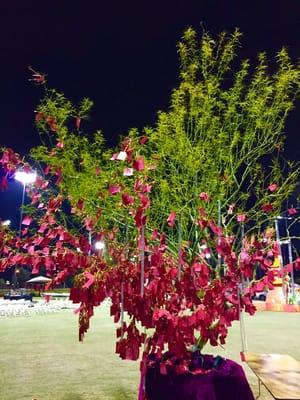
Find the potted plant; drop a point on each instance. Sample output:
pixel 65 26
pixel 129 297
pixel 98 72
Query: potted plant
pixel 181 209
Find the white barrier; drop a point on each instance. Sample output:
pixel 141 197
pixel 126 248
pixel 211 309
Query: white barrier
pixel 15 308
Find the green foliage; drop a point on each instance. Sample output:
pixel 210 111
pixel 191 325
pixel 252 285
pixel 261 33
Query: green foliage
pixel 222 134
pixel 224 131
pixel 85 164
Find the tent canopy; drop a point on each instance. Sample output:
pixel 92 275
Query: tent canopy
pixel 39 279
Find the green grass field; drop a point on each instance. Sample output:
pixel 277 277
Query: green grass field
pixel 41 358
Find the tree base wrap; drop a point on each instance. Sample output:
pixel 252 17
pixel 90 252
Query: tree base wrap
pixel 226 381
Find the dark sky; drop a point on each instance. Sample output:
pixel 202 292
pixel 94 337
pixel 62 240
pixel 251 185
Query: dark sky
pixel 121 54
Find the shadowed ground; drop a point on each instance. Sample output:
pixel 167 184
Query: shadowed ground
pixel 41 357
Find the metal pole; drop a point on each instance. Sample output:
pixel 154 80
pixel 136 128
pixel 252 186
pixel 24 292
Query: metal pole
pixel 279 253
pixel 15 276
pixel 242 246
pixel 240 289
pixel 90 242
pixel 179 250
pixel 219 237
pixel 292 270
pixel 242 233
pixel 245 282
pixel 21 209
pixel 142 259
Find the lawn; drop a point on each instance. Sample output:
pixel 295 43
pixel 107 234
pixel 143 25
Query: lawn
pixel 41 357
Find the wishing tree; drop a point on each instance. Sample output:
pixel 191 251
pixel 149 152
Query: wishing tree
pixel 183 208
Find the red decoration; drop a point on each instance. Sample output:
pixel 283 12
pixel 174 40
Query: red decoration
pixel 127 199
pixel 267 207
pixel 77 123
pixel 39 116
pixel 52 123
pixel 144 139
pixel 27 221
pixel 37 77
pixel 204 196
pixel 171 219
pixel 273 187
pixel 292 211
pixel 139 164
pixel 172 310
pixel 241 218
pixel 114 189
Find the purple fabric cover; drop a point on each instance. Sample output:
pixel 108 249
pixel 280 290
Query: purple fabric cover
pixel 227 381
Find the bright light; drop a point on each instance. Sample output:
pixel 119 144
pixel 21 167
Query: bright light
pixel 25 177
pixel 6 222
pixel 284 241
pixel 100 245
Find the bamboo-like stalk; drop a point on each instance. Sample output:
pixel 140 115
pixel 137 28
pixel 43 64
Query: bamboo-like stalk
pixel 142 258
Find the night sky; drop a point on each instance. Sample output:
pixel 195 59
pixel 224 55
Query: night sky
pixel 121 54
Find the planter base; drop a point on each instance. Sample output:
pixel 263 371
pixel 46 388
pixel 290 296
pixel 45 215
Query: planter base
pixel 227 381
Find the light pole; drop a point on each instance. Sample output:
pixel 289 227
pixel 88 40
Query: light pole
pixel 287 242
pixel 292 267
pixel 279 251
pixel 17 272
pixel 26 178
